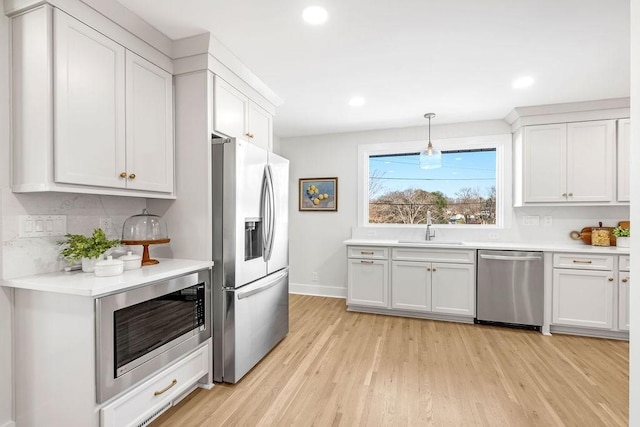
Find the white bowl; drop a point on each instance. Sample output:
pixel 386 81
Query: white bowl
pixel 109 267
pixel 131 261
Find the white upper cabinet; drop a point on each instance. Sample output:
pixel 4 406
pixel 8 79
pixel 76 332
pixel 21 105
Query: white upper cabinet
pixel 234 114
pixel 624 138
pixel 101 124
pixel 149 159
pixel 89 105
pixel 569 163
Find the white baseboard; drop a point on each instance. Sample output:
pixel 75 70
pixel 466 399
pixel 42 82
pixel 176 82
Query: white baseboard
pixel 9 424
pixel 318 290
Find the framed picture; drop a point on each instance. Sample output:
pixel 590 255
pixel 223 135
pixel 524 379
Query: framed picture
pixel 318 194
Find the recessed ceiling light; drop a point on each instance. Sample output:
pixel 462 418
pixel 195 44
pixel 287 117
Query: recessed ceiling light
pixel 315 15
pixel 356 101
pixel 523 82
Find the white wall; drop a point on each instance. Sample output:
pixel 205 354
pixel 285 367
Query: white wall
pixel 634 356
pixel 316 237
pixel 6 379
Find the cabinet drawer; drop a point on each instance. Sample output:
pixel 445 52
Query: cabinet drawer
pixel 583 261
pixel 369 252
pixel 154 396
pixel 437 255
pixel 625 263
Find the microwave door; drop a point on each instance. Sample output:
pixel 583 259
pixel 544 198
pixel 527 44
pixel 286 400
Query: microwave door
pixel 279 248
pixel 246 217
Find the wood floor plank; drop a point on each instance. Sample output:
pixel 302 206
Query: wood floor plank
pixel 338 368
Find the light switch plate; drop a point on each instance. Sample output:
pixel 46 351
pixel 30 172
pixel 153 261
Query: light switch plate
pixel 42 225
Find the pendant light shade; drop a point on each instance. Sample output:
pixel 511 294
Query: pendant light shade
pixel 430 158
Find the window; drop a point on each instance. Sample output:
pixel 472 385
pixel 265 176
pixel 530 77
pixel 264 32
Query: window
pixel 468 190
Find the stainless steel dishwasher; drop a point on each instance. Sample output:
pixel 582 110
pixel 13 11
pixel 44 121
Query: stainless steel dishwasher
pixel 510 288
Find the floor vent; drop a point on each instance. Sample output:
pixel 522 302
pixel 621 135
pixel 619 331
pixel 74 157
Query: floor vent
pixel 155 415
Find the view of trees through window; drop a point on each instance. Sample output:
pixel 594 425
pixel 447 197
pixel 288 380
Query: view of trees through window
pixel 462 191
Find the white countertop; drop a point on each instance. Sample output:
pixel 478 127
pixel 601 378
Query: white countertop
pixel 88 284
pixel 525 246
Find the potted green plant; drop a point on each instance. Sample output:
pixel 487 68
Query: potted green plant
pixel 88 249
pixel 623 236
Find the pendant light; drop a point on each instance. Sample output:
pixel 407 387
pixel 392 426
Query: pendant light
pixel 430 158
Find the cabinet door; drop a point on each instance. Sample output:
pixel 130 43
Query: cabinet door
pixel 368 283
pixel 89 106
pixel 149 101
pixel 260 124
pixel 624 137
pixel 453 289
pixel 583 298
pixel 229 112
pixel 590 161
pixel 545 163
pixel 411 285
pixel 623 300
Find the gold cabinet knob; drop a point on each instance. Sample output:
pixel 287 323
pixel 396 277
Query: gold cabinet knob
pixel 625 280
pixel 611 279
pixel 570 194
pixel 132 176
pixel 123 175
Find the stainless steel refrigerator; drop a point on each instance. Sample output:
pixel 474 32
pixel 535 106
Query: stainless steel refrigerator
pixel 250 253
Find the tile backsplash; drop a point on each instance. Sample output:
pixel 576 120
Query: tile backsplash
pixel 28 256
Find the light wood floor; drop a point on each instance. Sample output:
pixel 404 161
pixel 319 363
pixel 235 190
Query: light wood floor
pixel 341 368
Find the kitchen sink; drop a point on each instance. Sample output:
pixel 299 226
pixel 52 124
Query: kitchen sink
pixel 431 242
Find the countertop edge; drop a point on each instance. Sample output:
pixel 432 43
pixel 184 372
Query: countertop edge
pixel 83 284
pixel 528 246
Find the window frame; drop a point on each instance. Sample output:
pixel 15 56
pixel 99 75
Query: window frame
pixel 501 143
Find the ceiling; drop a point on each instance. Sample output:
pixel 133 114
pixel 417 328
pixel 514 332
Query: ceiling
pixel 457 58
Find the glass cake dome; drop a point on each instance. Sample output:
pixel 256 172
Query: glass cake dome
pixel 145 229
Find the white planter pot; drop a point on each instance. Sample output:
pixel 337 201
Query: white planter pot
pixel 623 242
pixel 89 264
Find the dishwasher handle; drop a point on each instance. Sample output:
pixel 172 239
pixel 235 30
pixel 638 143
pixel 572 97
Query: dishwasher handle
pixel 510 258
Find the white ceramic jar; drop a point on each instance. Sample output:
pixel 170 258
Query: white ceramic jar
pixel 109 267
pixel 131 261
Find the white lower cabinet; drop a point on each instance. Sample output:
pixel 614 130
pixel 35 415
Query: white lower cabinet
pixel 147 401
pixel 583 298
pixel 422 282
pixel 624 282
pixel 411 285
pixel 591 294
pixel 453 289
pixel 368 282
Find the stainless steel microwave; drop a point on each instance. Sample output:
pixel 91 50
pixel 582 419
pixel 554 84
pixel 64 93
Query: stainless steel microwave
pixel 140 331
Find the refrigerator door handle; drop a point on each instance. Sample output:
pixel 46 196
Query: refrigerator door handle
pixel 272 212
pixel 264 196
pixel 277 278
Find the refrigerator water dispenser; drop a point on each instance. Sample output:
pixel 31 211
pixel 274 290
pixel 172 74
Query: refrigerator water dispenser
pixel 252 238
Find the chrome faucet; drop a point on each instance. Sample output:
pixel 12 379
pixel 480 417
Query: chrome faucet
pixel 430 234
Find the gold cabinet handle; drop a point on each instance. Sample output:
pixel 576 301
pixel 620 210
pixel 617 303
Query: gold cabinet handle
pixel 625 280
pixel 366 262
pixel 570 194
pixel 123 175
pixel 579 261
pixel 251 135
pixel 132 176
pixel 159 392
pixel 564 194
pixel 248 134
pixel 611 279
pixel 366 253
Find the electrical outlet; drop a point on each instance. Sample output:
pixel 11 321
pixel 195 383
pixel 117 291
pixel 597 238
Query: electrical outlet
pixel 494 236
pixel 371 233
pixel 314 276
pixel 548 220
pixel 106 224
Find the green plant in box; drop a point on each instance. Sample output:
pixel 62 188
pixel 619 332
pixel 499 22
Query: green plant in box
pixel 78 246
pixel 622 232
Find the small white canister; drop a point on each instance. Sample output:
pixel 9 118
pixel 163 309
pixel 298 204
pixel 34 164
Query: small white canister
pixel 131 261
pixel 109 267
